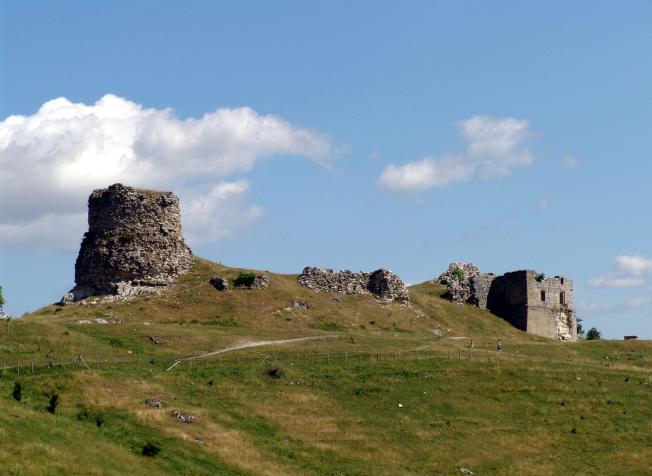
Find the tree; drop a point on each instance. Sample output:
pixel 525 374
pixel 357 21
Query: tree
pixel 580 329
pixel 2 298
pixel 593 334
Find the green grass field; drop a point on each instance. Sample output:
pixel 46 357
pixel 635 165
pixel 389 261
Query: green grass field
pixel 388 390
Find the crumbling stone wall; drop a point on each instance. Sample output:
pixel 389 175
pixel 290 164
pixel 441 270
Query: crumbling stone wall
pixel 543 307
pixel 133 246
pixel 459 278
pixel 381 283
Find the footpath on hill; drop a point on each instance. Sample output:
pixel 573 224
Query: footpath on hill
pixel 247 344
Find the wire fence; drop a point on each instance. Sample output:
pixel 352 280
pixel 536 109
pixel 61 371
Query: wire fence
pixel 243 360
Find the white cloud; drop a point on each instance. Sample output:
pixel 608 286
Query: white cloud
pixel 46 231
pixel 631 270
pixel 634 264
pixel 615 282
pixel 215 215
pixel 571 162
pixel 53 159
pixel 638 302
pixel 542 205
pixel 495 147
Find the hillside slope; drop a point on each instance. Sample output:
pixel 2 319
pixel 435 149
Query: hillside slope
pixel 390 389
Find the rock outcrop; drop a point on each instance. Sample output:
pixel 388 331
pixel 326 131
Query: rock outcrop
pixel 381 283
pixel 220 283
pixel 133 246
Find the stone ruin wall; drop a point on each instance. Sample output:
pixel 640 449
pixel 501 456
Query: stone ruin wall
pixel 381 283
pixel 516 297
pixel 134 244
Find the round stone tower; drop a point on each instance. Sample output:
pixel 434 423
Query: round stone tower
pixel 134 244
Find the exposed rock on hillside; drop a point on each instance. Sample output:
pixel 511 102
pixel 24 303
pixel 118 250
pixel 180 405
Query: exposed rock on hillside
pixel 381 283
pixel 134 244
pixel 220 283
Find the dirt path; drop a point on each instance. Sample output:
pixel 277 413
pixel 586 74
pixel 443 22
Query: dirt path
pixel 249 343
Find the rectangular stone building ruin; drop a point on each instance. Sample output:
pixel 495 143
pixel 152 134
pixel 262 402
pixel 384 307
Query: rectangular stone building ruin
pixel 541 306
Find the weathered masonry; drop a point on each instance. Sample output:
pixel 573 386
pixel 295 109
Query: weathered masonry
pixel 528 301
pixel 133 246
pixel 539 306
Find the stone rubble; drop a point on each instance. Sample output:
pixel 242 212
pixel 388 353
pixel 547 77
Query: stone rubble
pixel 459 291
pixel 296 304
pixel 381 283
pixel 154 403
pixel 261 281
pixel 220 283
pixel 184 417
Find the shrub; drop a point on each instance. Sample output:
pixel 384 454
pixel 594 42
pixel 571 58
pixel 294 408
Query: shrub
pixel 86 414
pixel 2 299
pixel 593 334
pixel 275 372
pixel 17 392
pixel 151 450
pixel 540 277
pixel 244 280
pixel 459 274
pixel 53 403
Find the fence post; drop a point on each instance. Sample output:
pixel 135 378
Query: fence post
pixel 346 357
pixel 459 354
pixel 251 361
pixel 32 367
pixel 18 368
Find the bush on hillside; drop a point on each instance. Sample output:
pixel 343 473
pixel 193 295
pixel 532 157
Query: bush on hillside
pixel 244 280
pixel 540 277
pixel 53 403
pixel 459 274
pixel 17 392
pixel 150 449
pixel 593 334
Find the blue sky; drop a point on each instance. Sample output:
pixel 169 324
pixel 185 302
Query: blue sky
pixel 404 135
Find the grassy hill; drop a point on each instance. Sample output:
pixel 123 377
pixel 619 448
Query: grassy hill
pixel 383 389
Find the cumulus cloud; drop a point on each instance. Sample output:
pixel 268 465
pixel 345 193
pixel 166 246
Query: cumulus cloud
pixel 216 214
pixel 53 159
pixel 631 270
pixel 495 146
pixel 615 282
pixel 634 264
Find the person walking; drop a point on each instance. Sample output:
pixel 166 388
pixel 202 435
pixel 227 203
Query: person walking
pixel 499 345
pixel 472 343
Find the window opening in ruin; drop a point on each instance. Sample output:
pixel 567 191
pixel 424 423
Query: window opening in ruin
pixel 562 280
pixel 543 295
pixel 562 298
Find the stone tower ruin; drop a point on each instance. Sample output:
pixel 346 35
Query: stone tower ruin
pixel 528 301
pixel 134 244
